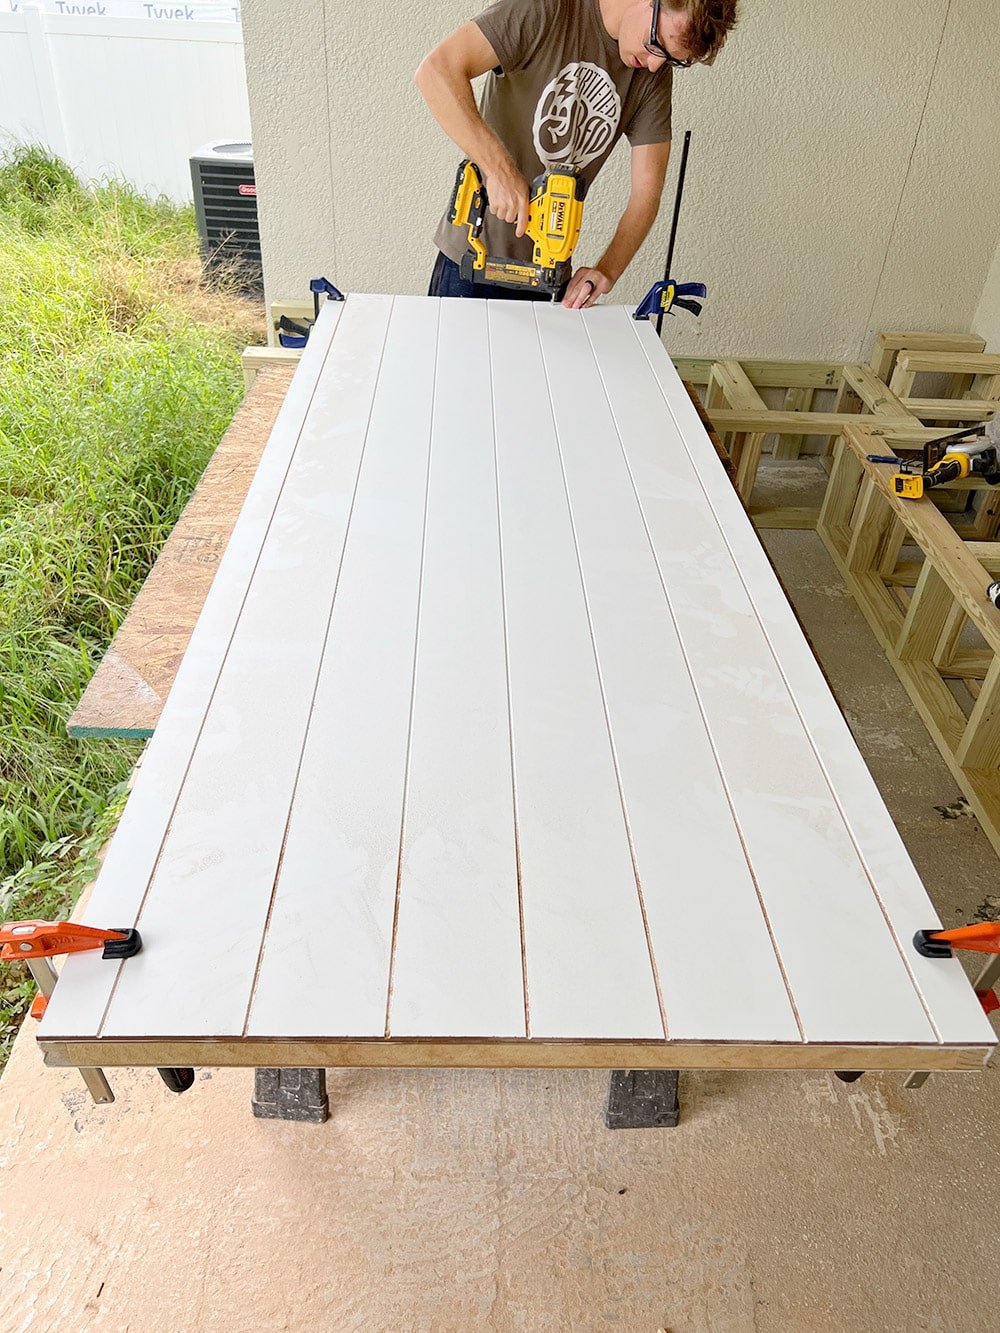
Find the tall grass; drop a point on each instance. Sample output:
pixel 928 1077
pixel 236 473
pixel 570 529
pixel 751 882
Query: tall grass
pixel 118 375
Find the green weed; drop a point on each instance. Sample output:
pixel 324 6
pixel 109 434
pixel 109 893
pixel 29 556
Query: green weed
pixel 119 373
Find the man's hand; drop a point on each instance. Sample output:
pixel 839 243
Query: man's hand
pixel 508 192
pixel 649 169
pixel 585 286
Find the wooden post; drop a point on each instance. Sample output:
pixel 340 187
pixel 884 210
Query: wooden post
pixel 847 401
pixel 947 644
pixel 926 616
pixel 983 527
pixel 798 399
pixel 841 494
pixel 986 386
pixel 872 519
pixel 892 544
pixel 746 448
pixel 980 746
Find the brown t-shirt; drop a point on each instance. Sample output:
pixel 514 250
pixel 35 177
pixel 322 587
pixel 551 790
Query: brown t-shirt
pixel 561 95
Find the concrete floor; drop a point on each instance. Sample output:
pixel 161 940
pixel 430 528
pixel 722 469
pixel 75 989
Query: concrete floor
pixel 463 1201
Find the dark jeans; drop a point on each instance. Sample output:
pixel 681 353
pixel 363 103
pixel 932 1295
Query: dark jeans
pixel 446 280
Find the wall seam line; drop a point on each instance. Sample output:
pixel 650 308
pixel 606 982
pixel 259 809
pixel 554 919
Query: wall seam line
pixel 906 180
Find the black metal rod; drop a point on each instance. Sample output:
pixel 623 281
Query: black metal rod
pixel 676 218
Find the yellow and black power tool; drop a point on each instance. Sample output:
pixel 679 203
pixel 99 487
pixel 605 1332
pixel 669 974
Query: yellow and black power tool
pixel 554 217
pixel 978 457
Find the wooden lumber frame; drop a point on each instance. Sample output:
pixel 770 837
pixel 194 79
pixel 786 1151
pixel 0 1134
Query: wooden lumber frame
pixel 862 400
pixel 863 524
pixel 801 380
pixel 256 359
pixel 766 374
pixel 744 420
pixel 908 432
pixel 525 1053
pixel 889 345
pixel 981 370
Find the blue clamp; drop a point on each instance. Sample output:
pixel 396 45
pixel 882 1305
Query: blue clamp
pixel 321 286
pixel 291 333
pixel 295 335
pixel 663 296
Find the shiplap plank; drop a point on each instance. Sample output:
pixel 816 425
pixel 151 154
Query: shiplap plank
pixel 815 892
pixel 894 882
pixel 325 966
pixel 589 972
pixel 86 982
pixel 691 862
pixel 219 859
pixel 458 963
pixel 457 968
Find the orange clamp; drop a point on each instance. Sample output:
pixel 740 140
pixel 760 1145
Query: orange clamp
pixel 984 938
pixel 45 939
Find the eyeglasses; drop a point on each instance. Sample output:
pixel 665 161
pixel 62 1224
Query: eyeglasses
pixel 655 49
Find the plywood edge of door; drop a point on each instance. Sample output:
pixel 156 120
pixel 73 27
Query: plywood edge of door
pixel 517 1054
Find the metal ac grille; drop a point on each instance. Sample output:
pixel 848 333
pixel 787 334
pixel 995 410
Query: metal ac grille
pixel 227 220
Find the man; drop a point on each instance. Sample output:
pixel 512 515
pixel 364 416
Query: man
pixel 567 79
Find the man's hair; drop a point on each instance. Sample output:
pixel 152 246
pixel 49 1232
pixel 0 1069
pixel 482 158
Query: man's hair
pixel 711 21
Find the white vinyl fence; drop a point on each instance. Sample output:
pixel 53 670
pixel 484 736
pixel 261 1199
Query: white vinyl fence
pixel 124 97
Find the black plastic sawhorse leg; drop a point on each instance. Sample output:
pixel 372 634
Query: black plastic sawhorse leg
pixel 642 1099
pixel 290 1094
pixel 637 1098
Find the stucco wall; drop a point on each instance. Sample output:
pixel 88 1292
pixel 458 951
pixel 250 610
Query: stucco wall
pixel 843 175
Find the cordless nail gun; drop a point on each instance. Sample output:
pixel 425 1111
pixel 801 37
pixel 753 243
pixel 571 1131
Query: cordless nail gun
pixel 977 457
pixel 554 215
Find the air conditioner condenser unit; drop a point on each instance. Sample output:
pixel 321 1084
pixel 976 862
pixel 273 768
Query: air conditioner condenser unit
pixel 225 205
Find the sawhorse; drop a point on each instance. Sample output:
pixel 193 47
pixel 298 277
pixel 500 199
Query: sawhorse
pixel 637 1098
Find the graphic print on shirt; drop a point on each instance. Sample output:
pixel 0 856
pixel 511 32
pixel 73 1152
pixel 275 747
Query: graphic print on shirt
pixel 576 116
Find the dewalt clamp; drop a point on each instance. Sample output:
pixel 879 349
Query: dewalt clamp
pixel 555 212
